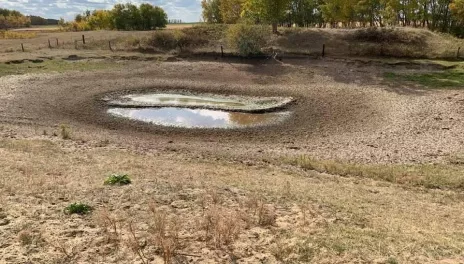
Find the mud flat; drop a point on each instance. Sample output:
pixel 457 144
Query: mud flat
pixel 204 101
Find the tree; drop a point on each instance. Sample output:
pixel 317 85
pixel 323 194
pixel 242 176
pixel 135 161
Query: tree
pixel 231 10
pixel 13 19
pixel 122 17
pixel 211 11
pixel 160 18
pixel 79 18
pixel 306 12
pixel 457 9
pixel 100 19
pixel 270 11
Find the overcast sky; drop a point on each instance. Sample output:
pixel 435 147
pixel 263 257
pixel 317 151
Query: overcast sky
pixel 187 10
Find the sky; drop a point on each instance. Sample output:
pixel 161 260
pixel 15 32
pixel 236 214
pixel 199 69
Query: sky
pixel 186 10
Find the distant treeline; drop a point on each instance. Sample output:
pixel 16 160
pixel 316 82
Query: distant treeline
pixel 13 19
pixel 175 21
pixel 441 15
pixel 40 21
pixel 121 17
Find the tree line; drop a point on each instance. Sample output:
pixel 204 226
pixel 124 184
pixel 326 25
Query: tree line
pixel 40 21
pixel 121 17
pixel 441 15
pixel 13 19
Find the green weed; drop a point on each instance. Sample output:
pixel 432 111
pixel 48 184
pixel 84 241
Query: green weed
pixel 78 208
pixel 118 179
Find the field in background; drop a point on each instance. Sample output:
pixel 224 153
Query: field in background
pixel 46 28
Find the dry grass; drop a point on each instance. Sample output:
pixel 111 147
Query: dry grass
pixel 180 210
pixel 17 35
pixel 427 175
pixel 402 42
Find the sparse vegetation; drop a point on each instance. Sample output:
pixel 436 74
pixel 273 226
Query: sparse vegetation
pixel 118 179
pixel 46 66
pixel 427 175
pixel 17 35
pixel 78 208
pixel 248 40
pixel 65 132
pixel 229 196
pixel 438 80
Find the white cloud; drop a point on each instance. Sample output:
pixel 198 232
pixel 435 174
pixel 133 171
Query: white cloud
pixel 187 10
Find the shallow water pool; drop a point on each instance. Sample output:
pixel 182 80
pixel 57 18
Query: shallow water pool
pixel 199 118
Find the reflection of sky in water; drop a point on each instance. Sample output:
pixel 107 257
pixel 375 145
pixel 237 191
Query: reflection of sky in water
pixel 196 118
pixel 178 99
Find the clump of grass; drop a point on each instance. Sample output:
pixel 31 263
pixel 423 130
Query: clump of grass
pixel 118 179
pixel 78 208
pixel 25 237
pixel 266 215
pixel 164 233
pixel 65 132
pixel 221 226
pixel 444 79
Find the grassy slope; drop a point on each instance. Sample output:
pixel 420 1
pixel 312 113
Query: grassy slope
pixel 441 176
pixel 400 42
pixel 54 66
pixel 448 79
pixel 218 209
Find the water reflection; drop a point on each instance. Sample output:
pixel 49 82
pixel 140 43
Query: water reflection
pixel 198 118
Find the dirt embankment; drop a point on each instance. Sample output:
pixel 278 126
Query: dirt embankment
pixel 208 40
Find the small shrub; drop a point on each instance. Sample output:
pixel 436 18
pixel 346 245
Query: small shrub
pixel 78 208
pixel 266 215
pixel 165 40
pixel 208 32
pixel 65 132
pixel 387 35
pixel 392 260
pixel 248 40
pixel 221 226
pixel 170 40
pixel 25 237
pixel 28 237
pixel 185 41
pixel 118 179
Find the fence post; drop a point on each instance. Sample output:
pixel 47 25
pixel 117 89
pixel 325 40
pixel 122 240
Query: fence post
pixel 57 44
pixel 459 51
pixel 83 39
pixel 323 50
pixel 222 51
pixel 22 47
pixel 109 44
pixel 49 44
